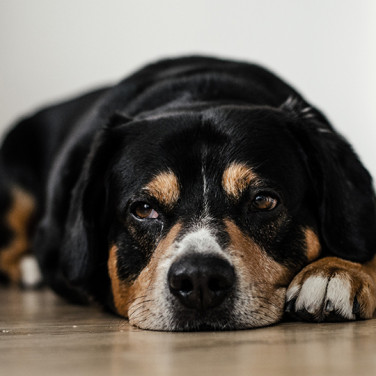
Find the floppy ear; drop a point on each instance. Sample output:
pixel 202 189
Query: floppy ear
pixel 345 197
pixel 85 236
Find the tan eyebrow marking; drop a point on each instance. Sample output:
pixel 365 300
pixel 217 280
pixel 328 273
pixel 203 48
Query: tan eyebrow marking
pixel 165 188
pixel 237 177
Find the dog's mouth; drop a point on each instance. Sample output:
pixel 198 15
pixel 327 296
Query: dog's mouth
pixel 219 317
pixel 194 284
pixel 201 326
pixel 239 306
pixel 233 314
pixel 199 295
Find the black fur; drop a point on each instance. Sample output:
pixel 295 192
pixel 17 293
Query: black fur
pixel 85 161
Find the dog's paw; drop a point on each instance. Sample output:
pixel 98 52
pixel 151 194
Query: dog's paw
pixel 331 289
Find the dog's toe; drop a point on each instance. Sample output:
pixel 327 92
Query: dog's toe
pixel 331 290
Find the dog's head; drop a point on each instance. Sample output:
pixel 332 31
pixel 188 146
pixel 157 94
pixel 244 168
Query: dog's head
pixel 201 220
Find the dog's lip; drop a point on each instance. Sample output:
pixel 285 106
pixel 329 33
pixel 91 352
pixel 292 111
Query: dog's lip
pixel 205 327
pixel 208 316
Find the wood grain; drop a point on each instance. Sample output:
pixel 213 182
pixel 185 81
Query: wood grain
pixel 42 335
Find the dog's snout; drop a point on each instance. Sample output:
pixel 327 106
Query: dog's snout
pixel 201 282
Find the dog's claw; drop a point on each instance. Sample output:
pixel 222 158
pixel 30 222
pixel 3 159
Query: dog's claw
pixel 289 307
pixel 356 307
pixel 329 306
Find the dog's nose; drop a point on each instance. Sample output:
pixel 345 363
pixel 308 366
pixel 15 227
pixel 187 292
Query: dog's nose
pixel 201 282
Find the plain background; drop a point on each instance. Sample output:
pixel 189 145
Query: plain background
pixel 52 49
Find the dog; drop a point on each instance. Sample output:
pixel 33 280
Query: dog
pixel 196 194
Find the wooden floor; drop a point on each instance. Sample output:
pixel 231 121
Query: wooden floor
pixel 42 335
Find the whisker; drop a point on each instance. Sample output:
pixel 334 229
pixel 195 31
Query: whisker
pixel 140 306
pixel 140 313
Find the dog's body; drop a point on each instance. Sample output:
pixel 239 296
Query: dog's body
pixel 198 193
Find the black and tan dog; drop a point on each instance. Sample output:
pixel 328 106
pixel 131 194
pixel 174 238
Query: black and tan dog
pixel 196 194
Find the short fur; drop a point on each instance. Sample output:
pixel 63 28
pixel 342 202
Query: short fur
pixel 201 142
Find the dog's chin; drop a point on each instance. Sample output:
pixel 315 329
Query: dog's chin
pixel 193 321
pixel 180 325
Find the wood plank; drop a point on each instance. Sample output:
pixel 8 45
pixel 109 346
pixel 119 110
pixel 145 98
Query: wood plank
pixel 42 335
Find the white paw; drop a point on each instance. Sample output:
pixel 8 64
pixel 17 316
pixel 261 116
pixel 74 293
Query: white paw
pixel 331 289
pixel 320 296
pixel 30 274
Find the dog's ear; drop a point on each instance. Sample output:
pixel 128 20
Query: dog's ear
pixel 345 196
pixel 85 237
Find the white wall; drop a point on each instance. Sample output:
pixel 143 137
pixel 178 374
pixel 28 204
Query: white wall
pixel 51 49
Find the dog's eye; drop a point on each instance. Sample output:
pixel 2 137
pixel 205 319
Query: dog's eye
pixel 264 202
pixel 143 210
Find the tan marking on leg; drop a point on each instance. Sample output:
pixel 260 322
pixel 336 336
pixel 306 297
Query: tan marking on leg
pixel 18 219
pixel 370 268
pixel 237 177
pixel 367 295
pixel 165 188
pixel 361 277
pixel 127 293
pixel 313 245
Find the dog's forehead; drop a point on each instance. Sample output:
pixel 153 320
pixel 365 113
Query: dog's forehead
pixel 179 153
